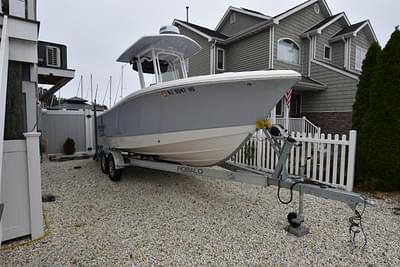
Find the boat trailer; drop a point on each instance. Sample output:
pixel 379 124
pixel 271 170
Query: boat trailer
pixel 113 161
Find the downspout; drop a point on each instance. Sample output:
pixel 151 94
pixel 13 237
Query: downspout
pixel 272 46
pixel 212 57
pixel 310 51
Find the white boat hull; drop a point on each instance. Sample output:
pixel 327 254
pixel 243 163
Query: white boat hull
pixel 205 147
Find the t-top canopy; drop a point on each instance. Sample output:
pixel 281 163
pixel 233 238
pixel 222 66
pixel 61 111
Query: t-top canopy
pixel 172 42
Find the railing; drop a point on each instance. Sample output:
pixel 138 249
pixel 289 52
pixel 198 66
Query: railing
pixel 302 125
pixel 326 160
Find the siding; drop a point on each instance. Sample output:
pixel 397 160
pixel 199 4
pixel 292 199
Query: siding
pixel 199 64
pixel 292 27
pixel 305 56
pixel 362 40
pixel 339 96
pixel 338 54
pixel 242 22
pixel 323 39
pixel 248 54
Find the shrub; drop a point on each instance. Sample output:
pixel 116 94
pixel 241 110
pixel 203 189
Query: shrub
pixel 69 146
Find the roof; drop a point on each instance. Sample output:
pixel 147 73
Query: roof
pixel 308 84
pixel 350 29
pixel 299 7
pixel 242 10
pixel 353 30
pixel 75 99
pixel 253 11
pixel 323 23
pixel 208 32
pixel 174 42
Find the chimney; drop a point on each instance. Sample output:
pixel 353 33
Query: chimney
pixel 187 13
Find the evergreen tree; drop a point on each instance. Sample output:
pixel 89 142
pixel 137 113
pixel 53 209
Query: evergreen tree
pixel 361 106
pixel 369 67
pixel 382 123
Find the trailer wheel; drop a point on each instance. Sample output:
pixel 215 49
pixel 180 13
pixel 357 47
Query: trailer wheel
pixel 104 162
pixel 113 173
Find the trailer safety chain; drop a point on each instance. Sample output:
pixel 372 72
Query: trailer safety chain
pixel 356 226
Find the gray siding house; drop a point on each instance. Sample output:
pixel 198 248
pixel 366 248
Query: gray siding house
pixel 325 48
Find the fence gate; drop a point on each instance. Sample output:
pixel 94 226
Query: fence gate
pixel 58 125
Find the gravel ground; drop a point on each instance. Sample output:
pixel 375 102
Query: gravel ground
pixel 158 218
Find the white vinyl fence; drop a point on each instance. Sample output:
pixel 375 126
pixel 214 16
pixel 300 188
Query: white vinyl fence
pixel 58 125
pixel 326 159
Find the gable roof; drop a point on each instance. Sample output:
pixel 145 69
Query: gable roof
pixel 242 10
pixel 352 30
pixel 325 23
pixel 203 31
pixel 299 7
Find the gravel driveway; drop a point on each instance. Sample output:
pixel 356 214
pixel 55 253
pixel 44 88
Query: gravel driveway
pixel 158 218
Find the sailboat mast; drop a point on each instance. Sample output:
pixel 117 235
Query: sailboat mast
pixel 82 86
pixel 110 89
pixel 91 88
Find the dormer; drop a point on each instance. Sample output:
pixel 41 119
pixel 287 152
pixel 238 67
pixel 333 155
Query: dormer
pixel 238 19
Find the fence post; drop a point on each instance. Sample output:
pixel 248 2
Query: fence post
pixel 34 183
pixel 303 124
pixel 259 148
pixel 351 160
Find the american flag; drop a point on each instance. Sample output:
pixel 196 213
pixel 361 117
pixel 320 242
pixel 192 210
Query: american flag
pixel 288 97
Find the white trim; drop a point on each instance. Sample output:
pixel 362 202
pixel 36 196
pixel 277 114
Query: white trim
pixel 315 47
pixel 239 10
pixel 346 53
pixel 273 45
pixel 353 76
pixel 223 59
pixel 330 52
pixel 310 51
pixel 300 7
pixel 299 58
pixel 349 55
pixel 192 29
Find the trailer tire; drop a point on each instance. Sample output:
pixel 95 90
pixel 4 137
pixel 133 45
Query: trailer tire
pixel 113 173
pixel 104 162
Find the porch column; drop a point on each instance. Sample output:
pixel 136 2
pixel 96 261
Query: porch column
pixel 34 183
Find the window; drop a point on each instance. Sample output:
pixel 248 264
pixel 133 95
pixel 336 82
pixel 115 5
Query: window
pixel 360 56
pixel 220 59
pixel 53 56
pixel 288 51
pixel 279 108
pixel 232 18
pixel 327 52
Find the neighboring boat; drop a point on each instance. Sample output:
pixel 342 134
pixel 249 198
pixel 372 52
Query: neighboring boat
pixel 197 121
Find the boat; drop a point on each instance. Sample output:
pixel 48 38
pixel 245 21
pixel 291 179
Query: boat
pixel 196 121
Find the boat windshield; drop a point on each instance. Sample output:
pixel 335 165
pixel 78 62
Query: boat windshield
pixel 164 65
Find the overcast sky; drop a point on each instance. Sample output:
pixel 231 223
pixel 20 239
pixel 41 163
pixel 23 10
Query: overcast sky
pixel 96 32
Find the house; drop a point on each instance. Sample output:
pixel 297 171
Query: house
pixel 20 73
pixel 327 49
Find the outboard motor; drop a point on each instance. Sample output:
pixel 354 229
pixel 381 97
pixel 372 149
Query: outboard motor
pixel 169 29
